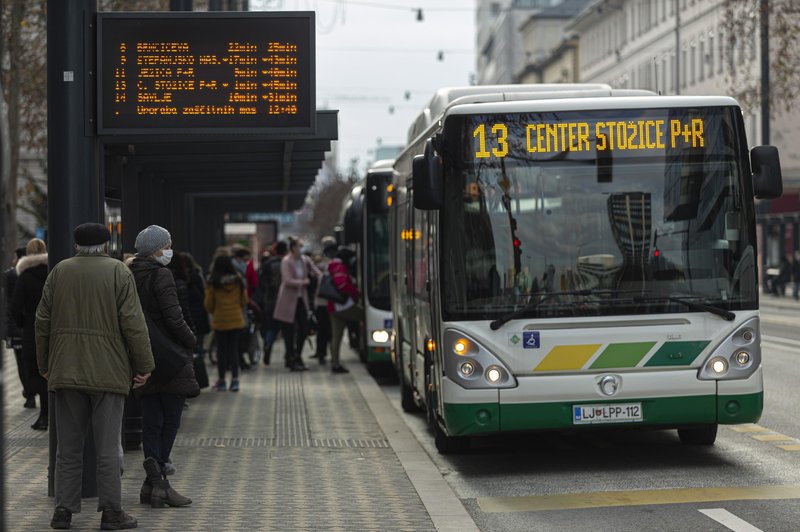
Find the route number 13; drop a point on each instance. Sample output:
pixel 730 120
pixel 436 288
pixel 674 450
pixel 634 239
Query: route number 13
pixel 500 131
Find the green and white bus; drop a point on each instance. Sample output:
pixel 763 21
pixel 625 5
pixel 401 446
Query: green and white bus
pixel 365 228
pixel 574 257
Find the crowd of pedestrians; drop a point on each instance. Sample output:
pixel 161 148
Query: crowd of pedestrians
pixel 96 332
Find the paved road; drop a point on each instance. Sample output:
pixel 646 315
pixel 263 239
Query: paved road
pixel 749 480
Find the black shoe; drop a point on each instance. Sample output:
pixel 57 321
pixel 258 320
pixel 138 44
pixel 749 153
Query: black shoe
pixel 117 520
pixel 322 361
pixel 298 367
pixel 62 518
pixel 30 402
pixel 339 369
pixel 41 423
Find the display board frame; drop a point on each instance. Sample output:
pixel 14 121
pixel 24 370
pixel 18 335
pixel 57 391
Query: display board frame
pixel 303 123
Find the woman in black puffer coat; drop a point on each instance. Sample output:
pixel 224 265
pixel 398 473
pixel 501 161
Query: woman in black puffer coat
pixel 162 402
pixel 32 273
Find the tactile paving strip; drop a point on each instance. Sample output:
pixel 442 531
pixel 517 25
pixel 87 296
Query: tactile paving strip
pixel 290 451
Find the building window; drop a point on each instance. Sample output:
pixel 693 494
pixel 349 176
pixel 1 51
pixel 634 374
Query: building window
pixel 702 70
pixel 673 73
pixel 664 74
pixel 711 52
pixel 721 48
pixel 693 65
pixel 684 58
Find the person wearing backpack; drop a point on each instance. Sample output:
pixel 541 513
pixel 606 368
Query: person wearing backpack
pixel 269 282
pixel 329 249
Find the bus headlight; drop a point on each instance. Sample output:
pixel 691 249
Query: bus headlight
pixel 718 366
pixel 737 357
pixel 494 374
pixel 471 365
pixel 381 336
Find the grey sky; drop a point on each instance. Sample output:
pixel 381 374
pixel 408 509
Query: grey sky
pixel 370 52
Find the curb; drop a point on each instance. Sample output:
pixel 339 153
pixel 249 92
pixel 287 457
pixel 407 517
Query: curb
pixel 442 504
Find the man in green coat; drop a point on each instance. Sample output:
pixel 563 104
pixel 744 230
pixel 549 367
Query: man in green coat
pixel 92 346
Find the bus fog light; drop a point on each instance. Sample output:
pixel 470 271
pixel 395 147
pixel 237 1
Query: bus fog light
pixel 742 358
pixel 494 375
pixel 467 369
pixel 718 365
pixel 380 336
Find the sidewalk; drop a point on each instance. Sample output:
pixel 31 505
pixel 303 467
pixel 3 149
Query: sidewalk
pixel 290 451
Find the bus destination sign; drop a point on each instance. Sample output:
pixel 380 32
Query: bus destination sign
pixel 206 73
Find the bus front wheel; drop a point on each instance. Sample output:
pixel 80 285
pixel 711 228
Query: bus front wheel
pixel 705 435
pixel 450 444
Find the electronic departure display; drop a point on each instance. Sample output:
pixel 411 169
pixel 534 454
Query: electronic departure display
pixel 585 135
pixel 206 72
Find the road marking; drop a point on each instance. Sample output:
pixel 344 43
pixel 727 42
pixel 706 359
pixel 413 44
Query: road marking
pixel 572 501
pixel 750 427
pixel 727 519
pixel 772 437
pixel 766 435
pixel 779 341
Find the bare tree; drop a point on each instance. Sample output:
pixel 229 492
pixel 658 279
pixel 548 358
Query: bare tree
pixel 741 25
pixel 24 67
pixel 325 201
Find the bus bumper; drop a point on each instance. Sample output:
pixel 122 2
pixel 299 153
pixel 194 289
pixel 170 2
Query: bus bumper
pixel 668 399
pixel 379 354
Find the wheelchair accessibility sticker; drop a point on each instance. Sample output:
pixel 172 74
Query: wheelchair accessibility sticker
pixel 530 339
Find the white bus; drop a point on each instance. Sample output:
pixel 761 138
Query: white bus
pixel 365 227
pixel 574 257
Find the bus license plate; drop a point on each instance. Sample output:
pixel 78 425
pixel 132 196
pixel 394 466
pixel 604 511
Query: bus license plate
pixel 614 413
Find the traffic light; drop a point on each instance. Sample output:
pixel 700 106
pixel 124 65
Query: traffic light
pixel 517 255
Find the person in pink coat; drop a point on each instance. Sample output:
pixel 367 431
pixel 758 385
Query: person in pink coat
pixel 291 307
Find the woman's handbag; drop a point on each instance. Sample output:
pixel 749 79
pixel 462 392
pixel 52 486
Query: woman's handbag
pixel 168 356
pixel 328 290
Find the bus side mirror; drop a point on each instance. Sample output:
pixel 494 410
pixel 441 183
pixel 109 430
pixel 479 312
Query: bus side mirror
pixel 767 178
pixel 427 176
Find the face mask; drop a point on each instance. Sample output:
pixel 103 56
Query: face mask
pixel 165 258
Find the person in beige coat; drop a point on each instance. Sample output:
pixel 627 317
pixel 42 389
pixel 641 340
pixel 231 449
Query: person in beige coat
pixel 291 308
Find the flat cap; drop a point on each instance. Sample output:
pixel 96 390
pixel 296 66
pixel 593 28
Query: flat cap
pixel 91 234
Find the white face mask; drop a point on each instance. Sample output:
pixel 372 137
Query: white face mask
pixel 165 258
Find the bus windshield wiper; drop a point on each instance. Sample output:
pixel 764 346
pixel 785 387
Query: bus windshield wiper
pixel 502 320
pixel 694 305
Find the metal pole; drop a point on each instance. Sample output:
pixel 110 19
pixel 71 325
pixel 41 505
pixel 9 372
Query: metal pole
pixel 765 133
pixel 4 170
pixel 73 180
pixel 677 47
pixel 764 7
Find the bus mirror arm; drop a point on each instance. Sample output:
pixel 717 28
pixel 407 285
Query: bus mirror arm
pixel 767 178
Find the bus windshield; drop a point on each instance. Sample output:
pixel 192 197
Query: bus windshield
pixel 596 213
pixel 378 260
